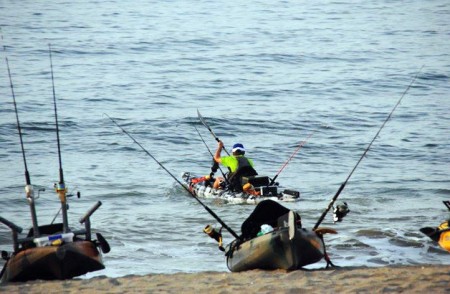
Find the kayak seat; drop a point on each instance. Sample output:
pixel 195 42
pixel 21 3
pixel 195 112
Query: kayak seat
pixel 283 221
pixel 266 212
pixel 235 179
pixel 50 229
pixel 44 230
pixel 256 181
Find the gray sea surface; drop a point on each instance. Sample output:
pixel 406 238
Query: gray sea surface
pixel 263 73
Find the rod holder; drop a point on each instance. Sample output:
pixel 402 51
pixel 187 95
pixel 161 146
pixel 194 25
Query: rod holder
pixel 15 232
pixel 86 219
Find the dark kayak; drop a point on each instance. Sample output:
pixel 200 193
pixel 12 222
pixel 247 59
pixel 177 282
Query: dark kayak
pixel 273 238
pixel 53 254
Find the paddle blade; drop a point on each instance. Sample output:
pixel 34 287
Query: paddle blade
pixel 202 120
pixel 104 245
pixel 206 125
pixel 433 233
pixel 447 204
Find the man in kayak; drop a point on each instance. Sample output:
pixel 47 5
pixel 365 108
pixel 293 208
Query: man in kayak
pixel 238 165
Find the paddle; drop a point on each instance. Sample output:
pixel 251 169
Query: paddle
pixel 178 181
pixel 363 155
pixel 212 155
pixel 210 130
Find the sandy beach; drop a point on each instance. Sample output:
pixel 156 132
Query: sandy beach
pixel 390 279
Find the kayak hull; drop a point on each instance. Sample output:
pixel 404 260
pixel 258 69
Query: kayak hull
pixel 53 262
pixel 203 189
pixel 276 250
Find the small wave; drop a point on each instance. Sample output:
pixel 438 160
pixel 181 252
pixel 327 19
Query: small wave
pixel 442 191
pixel 431 76
pixel 202 42
pixel 352 243
pixel 404 242
pixel 374 234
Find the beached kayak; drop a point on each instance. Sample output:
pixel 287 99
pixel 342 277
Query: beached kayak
pixel 52 254
pixel 273 238
pixel 53 262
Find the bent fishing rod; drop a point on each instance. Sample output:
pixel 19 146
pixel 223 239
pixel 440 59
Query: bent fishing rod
pixel 292 156
pixel 28 187
pixel 210 130
pixel 60 186
pixel 178 181
pixel 363 155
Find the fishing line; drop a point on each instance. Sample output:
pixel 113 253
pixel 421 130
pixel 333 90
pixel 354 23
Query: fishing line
pixel 292 156
pixel 27 175
pixel 201 138
pixel 178 181
pixel 364 154
pixel 61 175
pixel 61 186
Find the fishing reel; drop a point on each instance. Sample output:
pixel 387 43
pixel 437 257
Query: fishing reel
pixel 214 234
pixel 340 211
pixel 61 188
pixel 214 167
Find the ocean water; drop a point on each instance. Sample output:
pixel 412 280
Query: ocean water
pixel 263 73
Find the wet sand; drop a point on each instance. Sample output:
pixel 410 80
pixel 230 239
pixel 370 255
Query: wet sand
pixel 389 279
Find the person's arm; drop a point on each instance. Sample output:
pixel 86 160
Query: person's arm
pixel 218 151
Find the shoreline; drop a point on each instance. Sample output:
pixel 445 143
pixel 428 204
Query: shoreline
pixel 392 279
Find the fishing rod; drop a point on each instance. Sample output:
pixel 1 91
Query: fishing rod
pixel 210 130
pixel 364 154
pixel 178 181
pixel 60 187
pixel 28 187
pixel 293 154
pixel 212 155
